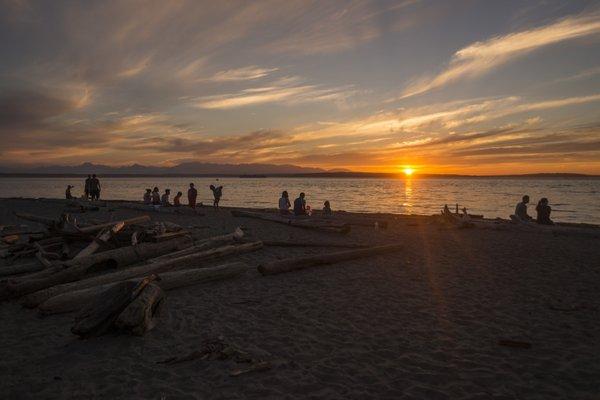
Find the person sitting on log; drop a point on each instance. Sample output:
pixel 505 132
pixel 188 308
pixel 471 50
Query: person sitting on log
pixel 300 205
pixel 177 199
pixel 543 212
pixel 155 197
pixel 148 197
pixel 520 214
pixel 217 193
pixel 327 208
pixel 68 194
pixel 164 200
pixel 284 203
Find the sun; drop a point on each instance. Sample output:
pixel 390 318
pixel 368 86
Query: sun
pixel 408 171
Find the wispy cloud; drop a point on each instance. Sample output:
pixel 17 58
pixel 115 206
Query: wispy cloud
pixel 479 58
pixel 284 91
pixel 242 74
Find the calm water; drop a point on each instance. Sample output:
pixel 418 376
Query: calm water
pixel 571 200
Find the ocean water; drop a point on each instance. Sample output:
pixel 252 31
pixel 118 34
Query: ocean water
pixel 572 200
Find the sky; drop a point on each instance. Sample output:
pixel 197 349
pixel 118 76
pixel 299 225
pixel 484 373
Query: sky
pixel 462 86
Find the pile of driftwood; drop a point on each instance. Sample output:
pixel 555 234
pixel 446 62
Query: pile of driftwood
pixel 114 273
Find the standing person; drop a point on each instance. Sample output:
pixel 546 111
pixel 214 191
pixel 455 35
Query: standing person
pixel 95 188
pixel 284 203
pixel 327 208
pixel 164 200
pixel 300 205
pixel 521 209
pixel 148 197
pixel 177 199
pixel 543 212
pixel 217 193
pixel 68 194
pixel 86 187
pixel 192 195
pixel 155 197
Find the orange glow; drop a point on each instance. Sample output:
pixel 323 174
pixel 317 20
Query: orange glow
pixel 408 171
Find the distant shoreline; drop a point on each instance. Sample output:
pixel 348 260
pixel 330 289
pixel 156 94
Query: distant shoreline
pixel 339 175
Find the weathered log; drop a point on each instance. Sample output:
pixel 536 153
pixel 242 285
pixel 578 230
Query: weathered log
pixel 281 243
pixel 77 269
pixel 292 264
pixel 49 222
pixel 204 244
pixel 99 227
pixel 40 296
pixel 100 315
pixel 141 315
pixel 320 225
pixel 102 238
pixel 21 268
pixel 75 300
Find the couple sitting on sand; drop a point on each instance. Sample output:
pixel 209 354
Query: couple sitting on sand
pixel 543 212
pixel 300 207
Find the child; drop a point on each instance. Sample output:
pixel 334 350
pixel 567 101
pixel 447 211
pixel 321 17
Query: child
pixel 217 193
pixel 327 208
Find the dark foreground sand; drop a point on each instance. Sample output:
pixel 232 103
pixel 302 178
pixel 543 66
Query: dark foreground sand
pixel 423 323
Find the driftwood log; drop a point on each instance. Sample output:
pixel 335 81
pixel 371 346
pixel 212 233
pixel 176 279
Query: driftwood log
pixel 77 269
pixel 282 243
pixel 101 314
pixel 320 225
pixel 34 299
pixel 76 300
pixel 204 244
pixel 21 268
pixel 293 264
pixel 99 227
pixel 98 241
pixel 141 315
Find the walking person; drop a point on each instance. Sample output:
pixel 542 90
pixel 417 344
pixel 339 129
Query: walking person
pixel 217 193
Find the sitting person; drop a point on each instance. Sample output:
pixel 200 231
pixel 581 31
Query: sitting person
pixel 284 203
pixel 177 199
pixel 543 212
pixel 68 194
pixel 148 197
pixel 327 208
pixel 521 210
pixel 155 197
pixel 300 205
pixel 164 200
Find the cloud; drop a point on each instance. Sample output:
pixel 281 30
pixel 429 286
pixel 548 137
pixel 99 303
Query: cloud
pixel 284 91
pixel 481 57
pixel 242 74
pixel 20 109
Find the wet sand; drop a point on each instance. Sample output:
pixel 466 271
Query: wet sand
pixel 422 323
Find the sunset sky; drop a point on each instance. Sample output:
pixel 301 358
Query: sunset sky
pixel 477 87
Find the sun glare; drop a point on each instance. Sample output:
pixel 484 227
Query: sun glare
pixel 408 171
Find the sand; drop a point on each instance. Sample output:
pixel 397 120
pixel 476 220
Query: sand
pixel 423 323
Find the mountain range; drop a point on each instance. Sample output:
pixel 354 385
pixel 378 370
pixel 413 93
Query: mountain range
pixel 188 168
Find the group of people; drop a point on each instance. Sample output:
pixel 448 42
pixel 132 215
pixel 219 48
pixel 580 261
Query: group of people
pixel 300 207
pixel 153 197
pixel 91 189
pixel 542 209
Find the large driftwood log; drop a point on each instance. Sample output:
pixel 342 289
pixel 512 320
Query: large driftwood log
pixel 204 244
pixel 292 264
pixel 40 296
pixel 320 225
pixel 141 315
pixel 21 268
pixel 100 315
pixel 75 300
pixel 77 269
pixel 49 222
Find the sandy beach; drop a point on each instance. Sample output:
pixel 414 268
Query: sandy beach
pixel 431 321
